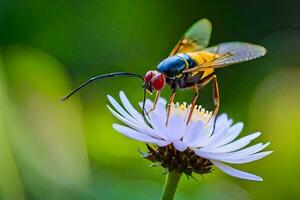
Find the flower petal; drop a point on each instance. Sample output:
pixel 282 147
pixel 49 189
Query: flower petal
pixel 180 146
pixel 203 137
pixel 138 135
pixel 162 101
pixel 159 112
pixel 190 132
pixel 236 173
pixel 248 151
pixel 159 124
pixel 238 144
pixel 194 133
pixel 233 133
pixel 225 157
pixel 221 119
pixel 123 119
pixel 146 130
pixel 148 104
pixel 132 111
pixel 216 136
pixel 120 110
pixel 239 154
pixel 176 126
pixel 249 158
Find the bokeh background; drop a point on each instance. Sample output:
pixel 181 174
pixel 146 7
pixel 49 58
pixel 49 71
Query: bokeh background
pixel 51 150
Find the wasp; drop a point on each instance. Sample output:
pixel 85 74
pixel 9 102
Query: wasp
pixel 191 65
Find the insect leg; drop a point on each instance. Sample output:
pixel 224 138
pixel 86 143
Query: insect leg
pixel 216 96
pixel 195 97
pixel 171 100
pixel 155 102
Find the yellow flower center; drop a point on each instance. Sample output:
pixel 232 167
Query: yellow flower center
pixel 183 110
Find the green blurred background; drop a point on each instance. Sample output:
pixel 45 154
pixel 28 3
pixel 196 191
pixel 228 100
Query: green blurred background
pixel 52 150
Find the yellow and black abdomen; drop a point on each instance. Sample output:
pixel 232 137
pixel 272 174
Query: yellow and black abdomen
pixel 202 57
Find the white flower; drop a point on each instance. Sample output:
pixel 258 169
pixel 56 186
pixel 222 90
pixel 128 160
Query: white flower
pixel 218 145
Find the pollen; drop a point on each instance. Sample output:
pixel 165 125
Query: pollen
pixel 183 110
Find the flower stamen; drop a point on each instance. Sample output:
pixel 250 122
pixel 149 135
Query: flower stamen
pixel 199 113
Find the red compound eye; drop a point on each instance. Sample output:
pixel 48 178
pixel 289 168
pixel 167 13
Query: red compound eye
pixel 148 77
pixel 158 82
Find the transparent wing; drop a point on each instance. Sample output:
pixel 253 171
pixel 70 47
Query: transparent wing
pixel 235 52
pixel 195 38
pixel 231 53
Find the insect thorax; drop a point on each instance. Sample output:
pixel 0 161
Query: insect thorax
pixel 173 66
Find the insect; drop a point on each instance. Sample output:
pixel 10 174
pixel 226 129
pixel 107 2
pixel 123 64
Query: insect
pixel 191 65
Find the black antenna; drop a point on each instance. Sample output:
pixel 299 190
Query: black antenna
pixel 110 75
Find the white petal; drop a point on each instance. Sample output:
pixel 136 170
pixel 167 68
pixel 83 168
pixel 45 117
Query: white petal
pixel 238 144
pixel 221 121
pixel 222 118
pixel 123 119
pixel 196 134
pixel 125 114
pixel 247 159
pixel 236 173
pixel 237 154
pixel 192 132
pixel 136 126
pixel 203 134
pixel 203 137
pixel 249 150
pixel 229 122
pixel 225 157
pixel 180 146
pixel 159 110
pixel 148 104
pixel 120 110
pixel 132 111
pixel 157 118
pixel 137 135
pixel 176 126
pixel 233 133
pixel 162 101
pixel 158 123
pixel 216 136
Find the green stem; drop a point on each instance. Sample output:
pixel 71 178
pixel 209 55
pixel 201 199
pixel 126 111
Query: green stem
pixel 171 183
